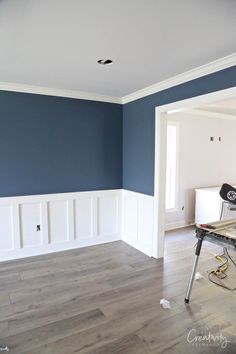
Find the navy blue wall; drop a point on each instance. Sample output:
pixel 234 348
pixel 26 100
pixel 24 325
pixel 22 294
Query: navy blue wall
pixel 139 126
pixel 54 145
pixel 51 145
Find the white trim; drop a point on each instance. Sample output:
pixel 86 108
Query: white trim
pixel 178 225
pixel 210 114
pixel 200 71
pixel 177 125
pixel 195 102
pixel 48 91
pixel 55 196
pixel 160 157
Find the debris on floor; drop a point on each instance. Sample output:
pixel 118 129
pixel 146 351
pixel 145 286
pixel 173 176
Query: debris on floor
pixel 165 304
pixel 198 276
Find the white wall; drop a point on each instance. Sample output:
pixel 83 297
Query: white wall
pixel 202 163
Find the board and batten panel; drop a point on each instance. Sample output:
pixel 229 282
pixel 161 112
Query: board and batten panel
pixel 58 221
pixel 145 221
pixel 83 214
pixel 30 220
pixel 108 215
pixel 130 216
pixel 138 221
pixel 6 228
pixel 66 221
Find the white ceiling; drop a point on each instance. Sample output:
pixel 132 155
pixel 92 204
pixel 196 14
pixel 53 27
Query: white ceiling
pixel 56 43
pixel 227 107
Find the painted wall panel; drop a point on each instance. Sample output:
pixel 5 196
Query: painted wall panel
pixel 30 217
pixel 138 221
pixel 108 217
pixel 130 216
pixel 67 220
pixel 58 221
pixel 6 227
pixel 145 235
pixel 83 209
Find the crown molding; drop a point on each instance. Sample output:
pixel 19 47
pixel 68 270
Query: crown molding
pixel 38 90
pixel 200 71
pixel 210 114
pixel 203 70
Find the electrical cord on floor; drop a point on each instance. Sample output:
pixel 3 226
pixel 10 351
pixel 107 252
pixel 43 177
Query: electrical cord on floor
pixel 219 273
pixel 226 251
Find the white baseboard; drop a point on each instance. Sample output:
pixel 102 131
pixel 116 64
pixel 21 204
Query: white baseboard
pixel 64 246
pixel 66 221
pixel 178 224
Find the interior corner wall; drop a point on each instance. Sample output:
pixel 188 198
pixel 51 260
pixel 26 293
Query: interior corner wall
pixel 57 145
pixel 139 126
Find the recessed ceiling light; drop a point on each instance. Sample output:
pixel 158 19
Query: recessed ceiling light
pixel 105 61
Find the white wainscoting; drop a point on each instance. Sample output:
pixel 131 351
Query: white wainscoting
pixel 38 224
pixel 137 226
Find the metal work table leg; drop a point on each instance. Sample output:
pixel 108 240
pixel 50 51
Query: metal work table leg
pixel 191 280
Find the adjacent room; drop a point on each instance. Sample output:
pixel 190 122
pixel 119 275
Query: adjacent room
pixel 199 140
pixel 117 176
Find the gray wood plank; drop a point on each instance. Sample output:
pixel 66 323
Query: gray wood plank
pixel 105 299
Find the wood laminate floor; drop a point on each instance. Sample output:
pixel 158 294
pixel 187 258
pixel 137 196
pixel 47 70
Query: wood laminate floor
pixel 105 300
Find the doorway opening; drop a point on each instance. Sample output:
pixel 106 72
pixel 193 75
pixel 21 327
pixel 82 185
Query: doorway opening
pixel 167 177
